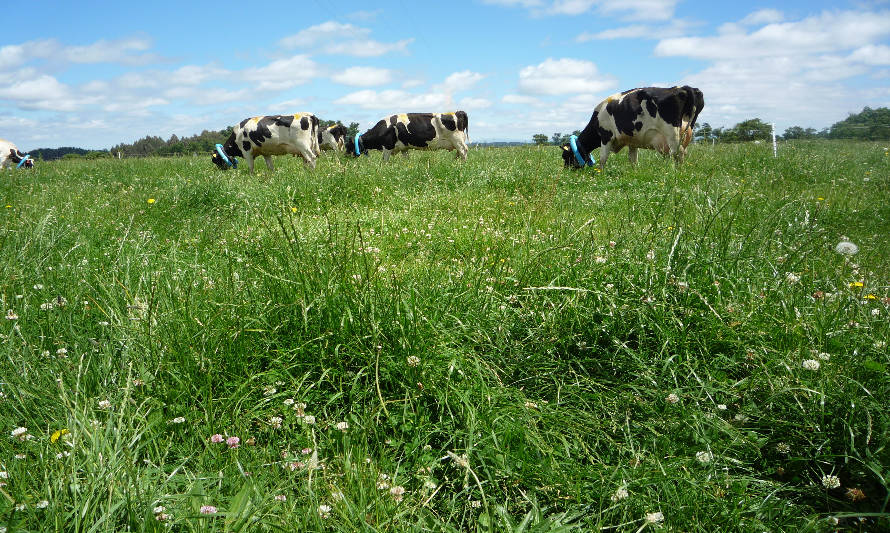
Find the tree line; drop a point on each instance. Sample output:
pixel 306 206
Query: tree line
pixel 868 125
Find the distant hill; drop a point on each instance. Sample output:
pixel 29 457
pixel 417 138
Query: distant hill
pixel 495 144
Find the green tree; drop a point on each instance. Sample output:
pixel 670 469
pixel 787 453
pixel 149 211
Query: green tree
pixel 352 129
pixel 867 125
pixel 539 139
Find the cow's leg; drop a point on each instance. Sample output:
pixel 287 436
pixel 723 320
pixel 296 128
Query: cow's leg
pixel 386 154
pixel 604 154
pixel 249 159
pixel 632 155
pixel 462 151
pixel 269 164
pixel 308 158
pixel 672 136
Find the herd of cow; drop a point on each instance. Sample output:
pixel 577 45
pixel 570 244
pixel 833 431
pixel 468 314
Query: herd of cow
pixel 650 118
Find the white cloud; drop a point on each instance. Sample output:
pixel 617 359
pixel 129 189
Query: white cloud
pixel 521 99
pixel 396 101
pixel 282 74
pixel 473 103
pixel 563 76
pixel 826 32
pixel 872 54
pixel 460 81
pixel 337 38
pixel 363 76
pixel 626 32
pixel 629 9
pixel 763 16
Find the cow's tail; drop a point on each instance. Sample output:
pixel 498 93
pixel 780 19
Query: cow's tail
pixel 463 124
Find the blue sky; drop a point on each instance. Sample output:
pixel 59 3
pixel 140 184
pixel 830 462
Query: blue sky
pixel 98 73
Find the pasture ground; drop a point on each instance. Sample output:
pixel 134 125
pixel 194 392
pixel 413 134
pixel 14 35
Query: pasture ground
pixel 425 345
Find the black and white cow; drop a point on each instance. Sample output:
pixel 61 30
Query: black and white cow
pixel 414 131
pixel 270 135
pixel 332 137
pixel 651 117
pixel 10 155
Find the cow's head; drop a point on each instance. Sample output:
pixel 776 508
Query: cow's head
pixel 339 133
pixel 21 160
pixel 353 145
pixel 575 156
pixel 222 159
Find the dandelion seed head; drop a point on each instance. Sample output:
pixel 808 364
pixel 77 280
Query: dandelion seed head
pixel 846 248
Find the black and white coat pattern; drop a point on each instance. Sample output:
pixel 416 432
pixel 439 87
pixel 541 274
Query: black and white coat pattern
pixel 270 135
pixel 651 117
pixel 415 131
pixel 11 156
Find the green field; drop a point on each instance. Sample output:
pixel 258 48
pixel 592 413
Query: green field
pixel 430 345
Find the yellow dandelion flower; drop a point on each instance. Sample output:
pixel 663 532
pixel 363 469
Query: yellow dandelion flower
pixel 857 285
pixel 293 209
pixel 151 200
pixel 58 434
pixel 871 297
pixel 820 199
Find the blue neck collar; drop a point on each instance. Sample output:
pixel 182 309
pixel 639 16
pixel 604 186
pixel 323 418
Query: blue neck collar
pixel 22 162
pixel 573 141
pixel 222 153
pixel 358 150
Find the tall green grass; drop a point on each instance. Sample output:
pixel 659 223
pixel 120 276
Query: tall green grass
pixel 424 344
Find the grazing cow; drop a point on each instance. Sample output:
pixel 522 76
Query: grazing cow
pixel 652 117
pixel 295 134
pixel 332 137
pixel 417 131
pixel 11 155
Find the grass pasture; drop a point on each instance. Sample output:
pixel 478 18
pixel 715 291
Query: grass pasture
pixel 429 345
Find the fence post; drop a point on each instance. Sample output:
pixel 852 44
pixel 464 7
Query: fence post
pixel 775 148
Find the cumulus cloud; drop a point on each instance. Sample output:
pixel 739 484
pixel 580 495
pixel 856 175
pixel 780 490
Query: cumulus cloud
pixel 826 32
pixel 396 99
pixel 337 38
pixel 129 51
pixel 282 73
pixel 629 9
pixel 363 76
pixel 460 81
pixel 563 76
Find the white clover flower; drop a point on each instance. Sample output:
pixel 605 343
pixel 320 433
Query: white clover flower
pixel 289 401
pixel 823 356
pixel 104 404
pixel 830 481
pixel 791 277
pixel 672 398
pixel 599 260
pixel 281 497
pixel 475 504
pixel 655 518
pixel 650 255
pixel 413 361
pixel 309 419
pixel 159 509
pixel 620 494
pixel 704 457
pixel 276 421
pixel 20 433
pixel 178 420
pixel 4 475
pixel 783 448
pixel 21 506
pixel 324 510
pixel 11 315
pixel 811 364
pixel 846 248
pixel 342 426
pixel 42 504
